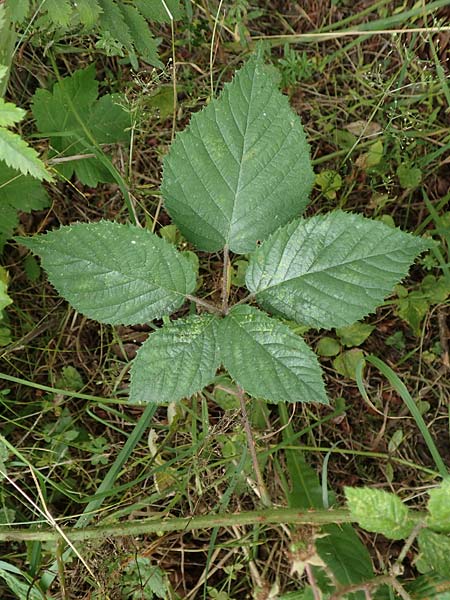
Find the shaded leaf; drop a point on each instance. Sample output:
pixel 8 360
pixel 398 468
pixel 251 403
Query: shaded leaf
pixel 117 274
pixel 17 193
pixel 268 360
pixel 75 120
pixel 241 168
pixel 345 364
pixel 145 43
pixel 154 10
pixel 331 270
pixel 175 361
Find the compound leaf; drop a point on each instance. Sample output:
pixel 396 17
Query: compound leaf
pixel 330 270
pixel 75 120
pixel 117 274
pixel 269 360
pixel 19 155
pixel 242 167
pixel 176 361
pixel 379 512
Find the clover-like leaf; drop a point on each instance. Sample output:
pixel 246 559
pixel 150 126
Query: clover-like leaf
pixel 330 270
pixel 268 359
pixel 176 361
pixel 242 167
pixel 117 274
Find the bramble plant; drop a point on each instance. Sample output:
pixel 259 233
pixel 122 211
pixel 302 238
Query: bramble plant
pixel 236 180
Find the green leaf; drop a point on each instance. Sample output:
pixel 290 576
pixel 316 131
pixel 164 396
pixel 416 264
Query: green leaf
pixel 345 555
pixel 434 552
pixel 5 300
pixel 112 21
pixel 329 182
pixel 330 270
pixel 17 193
pixel 354 335
pixel 379 512
pixel 268 360
pixel 10 113
pixel 439 507
pixel 19 155
pixel 75 120
pixel 429 587
pixel 345 364
pixel 19 582
pixel 409 177
pixel 154 10
pixel 18 10
pixel 60 11
pixel 328 346
pixel 114 273
pixel 242 167
pixel 176 361
pixel 145 43
pixel 88 12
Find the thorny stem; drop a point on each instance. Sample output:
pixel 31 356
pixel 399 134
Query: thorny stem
pixel 166 523
pixel 225 279
pixel 264 494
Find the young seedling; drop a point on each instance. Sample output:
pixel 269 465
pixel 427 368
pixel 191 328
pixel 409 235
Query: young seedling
pixel 235 181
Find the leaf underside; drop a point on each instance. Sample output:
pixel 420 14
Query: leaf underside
pixel 331 270
pixel 242 167
pixel 176 361
pixel 269 360
pixel 116 274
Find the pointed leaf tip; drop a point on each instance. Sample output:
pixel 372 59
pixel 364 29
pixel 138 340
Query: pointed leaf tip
pixel 268 359
pixel 242 168
pixel 330 270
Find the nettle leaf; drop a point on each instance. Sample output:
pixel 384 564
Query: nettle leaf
pixel 439 507
pixel 72 117
pixel 268 359
pixel 17 193
pixel 330 270
pixel 117 274
pixel 176 361
pixel 242 167
pixel 379 512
